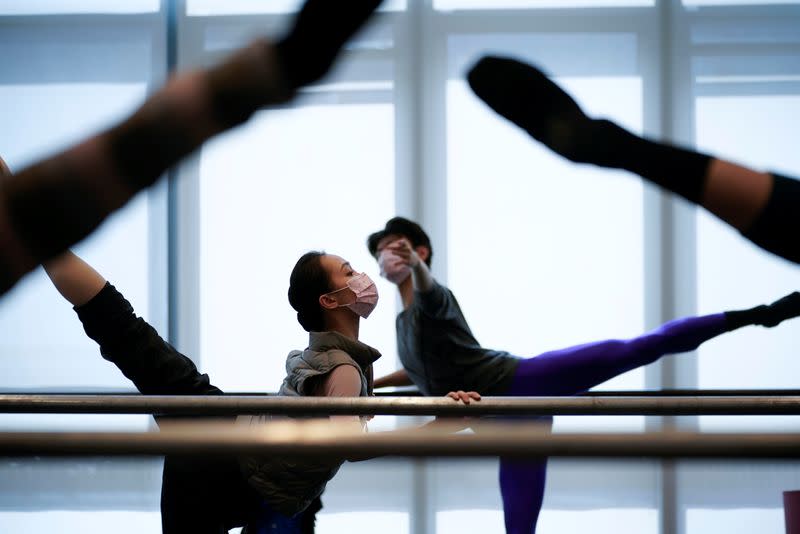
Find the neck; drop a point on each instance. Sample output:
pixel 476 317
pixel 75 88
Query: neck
pixel 343 321
pixel 406 289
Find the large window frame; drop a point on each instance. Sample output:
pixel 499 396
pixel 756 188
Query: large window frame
pixel 56 49
pixel 668 46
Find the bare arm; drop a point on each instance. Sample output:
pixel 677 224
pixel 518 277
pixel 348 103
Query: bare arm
pixel 420 273
pixel 444 425
pixel 422 277
pixel 152 364
pixel 397 379
pixel 75 279
pixel 343 381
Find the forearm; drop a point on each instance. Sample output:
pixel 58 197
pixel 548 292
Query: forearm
pixel 398 378
pixel 75 279
pixel 422 278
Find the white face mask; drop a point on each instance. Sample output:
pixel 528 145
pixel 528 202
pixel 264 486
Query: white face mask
pixel 392 267
pixel 366 294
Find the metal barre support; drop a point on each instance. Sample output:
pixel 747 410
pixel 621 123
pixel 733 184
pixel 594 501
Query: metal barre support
pixel 493 406
pixel 303 439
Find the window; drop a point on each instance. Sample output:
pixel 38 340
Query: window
pixel 207 8
pixel 446 5
pixel 59 7
pixel 516 214
pixel 750 129
pixel 80 522
pixel 310 178
pixel 542 254
pixel 122 250
pixel 63 78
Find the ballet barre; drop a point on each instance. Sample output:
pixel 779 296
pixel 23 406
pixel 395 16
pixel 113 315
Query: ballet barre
pixel 325 439
pixel 176 405
pixel 413 392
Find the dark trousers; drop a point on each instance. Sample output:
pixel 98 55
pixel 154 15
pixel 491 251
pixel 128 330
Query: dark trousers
pixel 205 496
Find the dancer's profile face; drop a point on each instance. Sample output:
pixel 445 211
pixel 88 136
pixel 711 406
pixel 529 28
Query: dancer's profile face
pixel 339 271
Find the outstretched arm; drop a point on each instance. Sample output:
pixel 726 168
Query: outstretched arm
pixel 434 300
pixel 55 203
pixel 420 273
pixel 345 381
pixel 75 279
pixel 764 207
pixel 444 425
pixel 128 341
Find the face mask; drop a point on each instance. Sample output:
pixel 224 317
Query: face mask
pixel 366 295
pixel 392 267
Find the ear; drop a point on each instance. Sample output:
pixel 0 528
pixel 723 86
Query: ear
pixel 328 303
pixel 423 252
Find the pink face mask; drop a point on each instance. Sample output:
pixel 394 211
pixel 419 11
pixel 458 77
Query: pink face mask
pixel 392 267
pixel 366 295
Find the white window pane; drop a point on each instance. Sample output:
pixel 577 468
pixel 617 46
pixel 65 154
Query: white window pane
pixel 600 521
pixel 574 493
pixel 88 522
pixel 736 485
pixel 761 520
pixel 563 242
pixel 58 7
pixel 453 521
pixel 601 484
pixel 447 5
pixel 699 3
pixel 75 422
pixel 42 124
pixel 734 497
pixel 311 178
pixel 366 496
pixel 346 523
pixel 734 274
pixel 204 8
pixel 42 343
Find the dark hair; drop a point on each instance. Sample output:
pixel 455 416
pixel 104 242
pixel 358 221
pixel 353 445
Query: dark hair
pixel 406 228
pixel 308 281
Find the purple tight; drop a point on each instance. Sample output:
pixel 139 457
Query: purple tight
pixel 574 370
